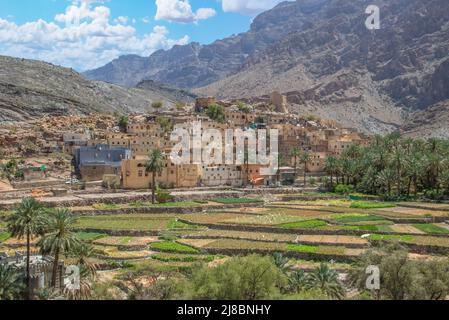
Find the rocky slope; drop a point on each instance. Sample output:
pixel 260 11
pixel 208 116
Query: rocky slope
pixel 431 122
pixel 321 54
pixel 169 92
pixel 30 89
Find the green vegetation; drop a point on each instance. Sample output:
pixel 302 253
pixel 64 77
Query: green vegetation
pixel 175 224
pixel 307 224
pixel 302 248
pixel 380 237
pixel 154 165
pixel 371 205
pixel 176 257
pixel 171 246
pixel 216 112
pixel 90 236
pixel 157 105
pixel 402 278
pixel 236 200
pixel 431 228
pixel 355 217
pixel 395 168
pixel 126 222
pixel 4 236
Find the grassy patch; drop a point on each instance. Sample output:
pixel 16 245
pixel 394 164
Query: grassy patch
pixel 302 248
pixel 308 224
pixel 171 246
pixel 371 205
pixel 380 237
pixel 176 257
pixel 431 228
pixel 316 249
pixel 126 222
pixel 366 228
pixel 90 236
pixel 236 200
pixel 355 217
pixel 4 236
pixel 176 224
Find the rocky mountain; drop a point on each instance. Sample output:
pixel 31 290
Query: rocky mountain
pixel 169 92
pixel 321 55
pixel 195 65
pixel 30 89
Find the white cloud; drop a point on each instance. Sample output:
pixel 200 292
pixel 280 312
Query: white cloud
pixel 82 38
pixel 181 11
pixel 248 7
pixel 122 20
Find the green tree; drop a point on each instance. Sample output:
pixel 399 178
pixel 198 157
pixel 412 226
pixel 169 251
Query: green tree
pixel 297 281
pixel 84 255
pixel 122 122
pixel 154 165
pixel 295 153
pixel 11 283
pixel 165 123
pixel 157 105
pixel 27 222
pixel 60 238
pixel 216 112
pixel 305 159
pixel 398 275
pixel 240 278
pixel 327 281
pixel 331 168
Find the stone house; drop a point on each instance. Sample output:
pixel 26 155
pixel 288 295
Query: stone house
pixel 92 163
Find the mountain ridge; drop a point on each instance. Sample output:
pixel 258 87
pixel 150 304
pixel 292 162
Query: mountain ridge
pixel 31 88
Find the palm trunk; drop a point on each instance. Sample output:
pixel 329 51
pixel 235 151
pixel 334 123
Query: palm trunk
pixel 28 268
pixel 409 187
pixel 415 183
pixel 296 167
pixel 332 180
pixel 153 189
pixel 305 174
pixel 55 269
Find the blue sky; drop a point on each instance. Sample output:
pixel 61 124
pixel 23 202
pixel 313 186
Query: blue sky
pixel 86 34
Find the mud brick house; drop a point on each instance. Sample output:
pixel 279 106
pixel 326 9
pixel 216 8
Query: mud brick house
pixel 92 163
pixel 134 175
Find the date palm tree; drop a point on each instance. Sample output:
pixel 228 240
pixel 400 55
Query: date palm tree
pixel 327 281
pixel 11 283
pixel 154 165
pixel 331 166
pixel 296 153
pixel 297 281
pixel 386 178
pixel 27 222
pixel 305 159
pixel 60 238
pixel 83 254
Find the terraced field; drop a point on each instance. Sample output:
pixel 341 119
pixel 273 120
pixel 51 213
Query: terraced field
pixel 306 231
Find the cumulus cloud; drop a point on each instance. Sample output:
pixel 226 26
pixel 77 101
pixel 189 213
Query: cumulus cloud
pixel 82 38
pixel 181 11
pixel 248 7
